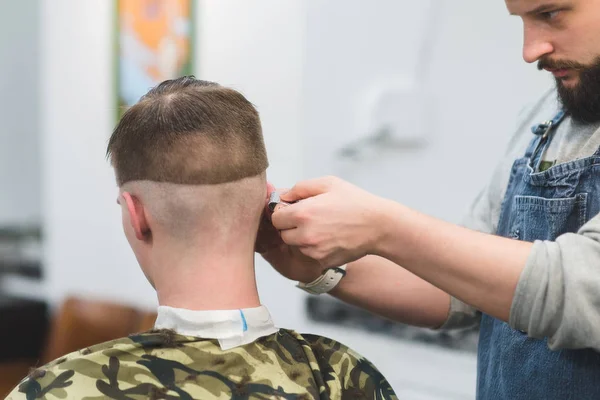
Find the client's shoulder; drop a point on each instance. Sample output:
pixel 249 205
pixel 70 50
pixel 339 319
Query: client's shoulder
pixel 344 371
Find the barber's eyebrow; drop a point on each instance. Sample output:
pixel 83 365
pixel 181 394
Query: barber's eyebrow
pixel 543 8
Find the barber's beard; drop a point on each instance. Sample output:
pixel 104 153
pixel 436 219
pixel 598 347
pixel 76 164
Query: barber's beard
pixel 581 102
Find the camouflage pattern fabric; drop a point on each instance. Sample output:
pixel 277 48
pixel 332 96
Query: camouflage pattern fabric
pixel 164 365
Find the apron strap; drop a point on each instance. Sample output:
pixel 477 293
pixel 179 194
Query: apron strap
pixel 541 132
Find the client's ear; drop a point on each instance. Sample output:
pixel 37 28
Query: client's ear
pixel 137 216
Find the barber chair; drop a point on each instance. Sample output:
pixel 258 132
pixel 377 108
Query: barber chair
pixel 78 324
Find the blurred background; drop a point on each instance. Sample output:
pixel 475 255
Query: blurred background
pixel 413 101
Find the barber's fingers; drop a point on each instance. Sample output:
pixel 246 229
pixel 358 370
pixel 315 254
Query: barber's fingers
pixel 284 216
pixel 299 242
pixel 280 206
pixel 309 188
pixel 291 237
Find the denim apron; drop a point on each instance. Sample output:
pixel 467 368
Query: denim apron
pixel 540 206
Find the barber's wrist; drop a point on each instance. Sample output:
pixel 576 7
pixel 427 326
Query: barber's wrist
pixel 330 278
pixel 391 225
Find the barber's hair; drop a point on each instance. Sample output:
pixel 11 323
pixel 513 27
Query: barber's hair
pixel 188 131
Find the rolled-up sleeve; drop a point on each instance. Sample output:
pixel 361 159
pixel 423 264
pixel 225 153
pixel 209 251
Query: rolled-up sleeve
pixel 558 294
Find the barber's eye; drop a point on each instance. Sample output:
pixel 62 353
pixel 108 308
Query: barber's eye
pixel 550 15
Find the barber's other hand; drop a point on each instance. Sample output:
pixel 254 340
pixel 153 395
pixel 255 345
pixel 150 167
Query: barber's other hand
pixel 334 222
pixel 287 260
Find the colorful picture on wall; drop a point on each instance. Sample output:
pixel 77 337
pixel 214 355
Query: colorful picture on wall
pixel 154 43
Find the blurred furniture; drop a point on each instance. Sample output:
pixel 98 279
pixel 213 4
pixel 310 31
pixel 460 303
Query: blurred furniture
pixel 329 310
pixel 78 324
pixel 24 324
pixel 82 323
pixel 20 248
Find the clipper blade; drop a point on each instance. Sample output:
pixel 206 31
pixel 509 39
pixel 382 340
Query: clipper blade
pixel 274 199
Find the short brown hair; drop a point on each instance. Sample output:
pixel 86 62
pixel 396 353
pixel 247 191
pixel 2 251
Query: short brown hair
pixel 188 131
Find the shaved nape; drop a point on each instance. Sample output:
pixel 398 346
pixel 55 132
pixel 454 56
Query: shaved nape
pixel 186 212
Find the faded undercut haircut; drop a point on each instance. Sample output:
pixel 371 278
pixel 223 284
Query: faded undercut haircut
pixel 188 131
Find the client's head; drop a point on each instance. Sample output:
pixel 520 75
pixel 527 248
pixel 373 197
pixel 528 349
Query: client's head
pixel 190 164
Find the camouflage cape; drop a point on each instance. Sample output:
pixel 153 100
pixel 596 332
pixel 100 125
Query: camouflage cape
pixel 164 365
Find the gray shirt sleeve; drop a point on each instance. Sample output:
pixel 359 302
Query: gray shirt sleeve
pixel 558 295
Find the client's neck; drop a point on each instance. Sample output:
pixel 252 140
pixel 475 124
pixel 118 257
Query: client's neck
pixel 204 279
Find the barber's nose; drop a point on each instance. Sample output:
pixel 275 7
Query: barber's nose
pixel 535 46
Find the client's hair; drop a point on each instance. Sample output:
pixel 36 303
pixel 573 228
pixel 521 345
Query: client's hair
pixel 188 131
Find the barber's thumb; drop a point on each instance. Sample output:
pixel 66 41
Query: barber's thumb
pixel 304 190
pixel 279 207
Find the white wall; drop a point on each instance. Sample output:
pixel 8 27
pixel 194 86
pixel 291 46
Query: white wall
pixel 85 251
pixel 19 111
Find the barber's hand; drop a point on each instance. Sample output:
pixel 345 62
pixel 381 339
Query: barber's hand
pixel 286 260
pixel 334 222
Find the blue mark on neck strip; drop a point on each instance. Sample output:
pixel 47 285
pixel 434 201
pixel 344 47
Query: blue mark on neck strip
pixel 245 324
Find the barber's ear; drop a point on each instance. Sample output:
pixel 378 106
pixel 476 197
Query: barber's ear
pixel 137 216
